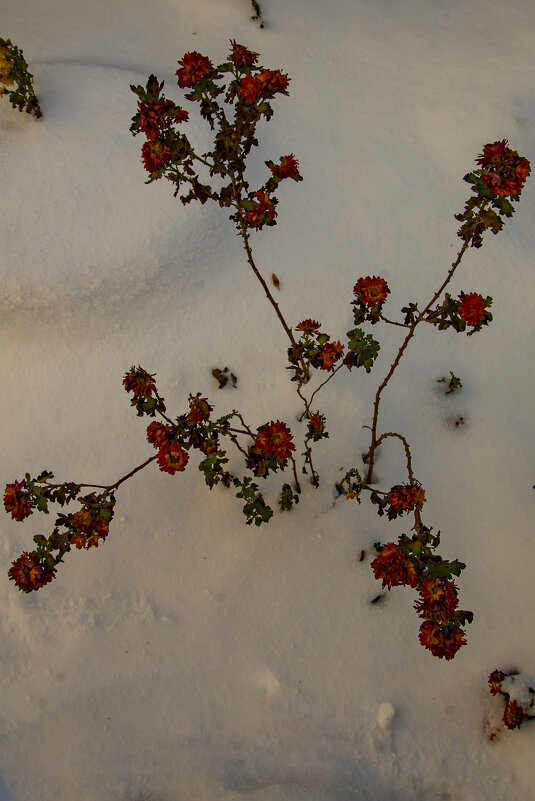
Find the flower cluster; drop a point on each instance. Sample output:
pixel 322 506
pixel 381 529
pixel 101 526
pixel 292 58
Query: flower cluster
pixel 400 499
pixel 14 74
pixel 146 398
pixel 89 525
pixel 504 171
pixel 314 349
pixel 413 563
pixel 81 529
pixel 272 445
pixel 500 180
pixel 156 117
pixel 272 448
pixel 168 152
pixel 518 694
pixel 263 85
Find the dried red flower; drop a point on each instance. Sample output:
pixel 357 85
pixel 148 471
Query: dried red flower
pixel 210 446
pixel 155 155
pixel 441 640
pixel 138 381
pixel 158 434
pixel 250 88
pixel 507 171
pixel 495 683
pixel 29 573
pixel 272 81
pixel 194 68
pixel 89 527
pixel 308 326
pixel 17 501
pixel 315 423
pixel 256 217
pixel 490 151
pixel 156 113
pixel 514 715
pixel 394 567
pixel 371 291
pixel 241 56
pixel 199 408
pixel 275 438
pixel 172 458
pixel 288 167
pixel 472 308
pixel 438 600
pixel 406 497
pixel 330 353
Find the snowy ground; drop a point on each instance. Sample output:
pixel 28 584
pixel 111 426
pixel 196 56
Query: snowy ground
pixel 191 658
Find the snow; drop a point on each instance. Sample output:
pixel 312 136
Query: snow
pixel 519 689
pixel 192 658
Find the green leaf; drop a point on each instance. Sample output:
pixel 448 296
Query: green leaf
pixel 365 346
pixel 248 205
pixel 444 569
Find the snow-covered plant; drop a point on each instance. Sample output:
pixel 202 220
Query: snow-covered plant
pixel 14 73
pixel 519 695
pixel 234 98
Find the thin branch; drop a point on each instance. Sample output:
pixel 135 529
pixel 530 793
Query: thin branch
pixel 393 366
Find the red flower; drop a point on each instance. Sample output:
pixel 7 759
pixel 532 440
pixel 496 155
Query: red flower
pixel 138 381
pixel 330 353
pixel 472 308
pixel 275 438
pixel 89 527
pixel 256 217
pixel 155 155
pixel 507 171
pixel 158 434
pixel 199 408
pixel 315 423
pixel 155 114
pixel 308 326
pixel 272 81
pixel 250 88
pixel 172 458
pixel 241 56
pixel 288 167
pixel 438 600
pixel 495 683
pixel 210 446
pixel 441 640
pixel 29 573
pixel 490 151
pixel 371 291
pixel 17 501
pixel 406 497
pixel 394 567
pixel 194 68
pixel 514 715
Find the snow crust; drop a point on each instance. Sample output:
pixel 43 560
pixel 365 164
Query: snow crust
pixel 191 658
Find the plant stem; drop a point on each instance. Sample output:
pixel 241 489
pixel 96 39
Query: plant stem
pixel 110 487
pixel 393 366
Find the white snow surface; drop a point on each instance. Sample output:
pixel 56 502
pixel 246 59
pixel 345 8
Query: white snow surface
pixel 189 657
